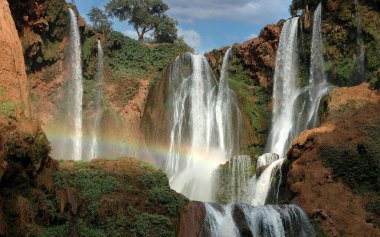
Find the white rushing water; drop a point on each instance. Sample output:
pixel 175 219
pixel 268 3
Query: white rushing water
pixel 94 149
pixel 205 125
pixel 318 85
pixel 231 180
pixel 286 90
pixel 294 108
pixel 76 88
pixel 270 220
pixel 239 171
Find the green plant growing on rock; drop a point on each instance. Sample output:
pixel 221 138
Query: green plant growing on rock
pixel 8 108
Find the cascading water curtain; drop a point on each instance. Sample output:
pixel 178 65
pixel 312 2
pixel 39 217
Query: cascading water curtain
pixel 76 90
pixel 205 125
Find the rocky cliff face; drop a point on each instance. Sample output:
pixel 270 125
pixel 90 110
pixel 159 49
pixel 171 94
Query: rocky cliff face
pixel 41 197
pixel 251 77
pixel 13 84
pixel 334 170
pixel 351 39
pixel 258 55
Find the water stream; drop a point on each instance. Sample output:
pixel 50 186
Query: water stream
pixel 99 91
pixel 205 125
pixel 75 89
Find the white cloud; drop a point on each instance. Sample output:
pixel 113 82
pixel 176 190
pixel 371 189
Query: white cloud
pixel 131 34
pixel 191 37
pixel 258 11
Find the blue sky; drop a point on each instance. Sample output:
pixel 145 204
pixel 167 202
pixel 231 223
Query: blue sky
pixel 209 24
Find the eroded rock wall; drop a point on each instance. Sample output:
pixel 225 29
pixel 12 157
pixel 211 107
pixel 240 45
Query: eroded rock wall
pixel 334 169
pixel 13 81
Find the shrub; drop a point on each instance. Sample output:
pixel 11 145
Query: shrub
pixel 148 225
pixel 167 197
pixel 8 108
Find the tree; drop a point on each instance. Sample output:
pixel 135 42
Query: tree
pixel 99 20
pixel 166 30
pixel 144 15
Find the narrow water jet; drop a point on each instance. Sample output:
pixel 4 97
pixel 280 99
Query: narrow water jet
pixel 99 91
pixel 318 85
pixel 359 70
pixel 205 125
pixel 75 89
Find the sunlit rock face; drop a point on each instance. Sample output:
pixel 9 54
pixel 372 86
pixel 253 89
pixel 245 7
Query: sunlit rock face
pixel 13 82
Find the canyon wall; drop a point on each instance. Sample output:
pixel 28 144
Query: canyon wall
pixel 13 82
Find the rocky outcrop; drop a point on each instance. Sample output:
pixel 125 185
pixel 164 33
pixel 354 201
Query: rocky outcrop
pixel 251 73
pixel 191 221
pixel 13 82
pixel 24 150
pixel 257 54
pixel 334 169
pixel 98 198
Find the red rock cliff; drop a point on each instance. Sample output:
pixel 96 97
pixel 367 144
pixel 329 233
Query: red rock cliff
pixel 13 81
pixel 334 169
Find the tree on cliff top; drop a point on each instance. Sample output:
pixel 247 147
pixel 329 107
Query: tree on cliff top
pixel 145 16
pixel 99 20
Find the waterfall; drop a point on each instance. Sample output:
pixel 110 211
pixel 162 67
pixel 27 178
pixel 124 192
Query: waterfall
pixel 266 160
pixel 205 125
pixel 286 90
pixel 360 60
pixel 239 170
pixel 232 180
pixel 294 108
pixel 76 88
pixel 97 103
pixel 240 219
pixel 318 85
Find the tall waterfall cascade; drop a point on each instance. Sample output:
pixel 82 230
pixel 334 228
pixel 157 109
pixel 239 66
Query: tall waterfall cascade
pixel 286 90
pixel 318 85
pixel 295 108
pixel 75 89
pixel 99 91
pixel 205 125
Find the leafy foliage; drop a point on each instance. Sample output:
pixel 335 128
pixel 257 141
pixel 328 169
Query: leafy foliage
pixel 8 108
pixel 100 21
pixel 131 61
pixel 149 225
pixel 145 16
pixel 253 102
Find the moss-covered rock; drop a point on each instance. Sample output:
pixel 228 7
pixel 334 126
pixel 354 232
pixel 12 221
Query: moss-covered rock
pixel 351 38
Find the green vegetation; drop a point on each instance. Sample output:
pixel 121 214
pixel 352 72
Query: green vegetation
pixel 89 57
pixel 253 101
pixel 8 108
pixel 152 226
pixel 145 16
pixel 358 167
pixel 42 43
pixel 50 73
pixel 100 21
pixel 131 61
pixel 350 42
pixel 89 199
